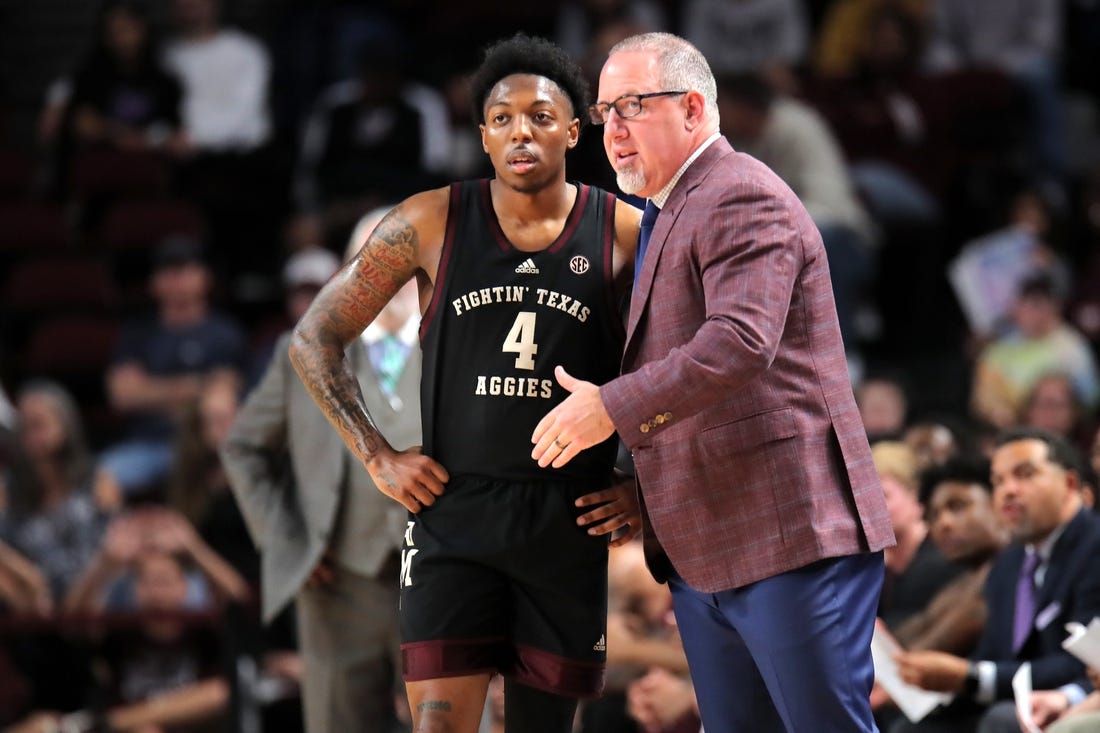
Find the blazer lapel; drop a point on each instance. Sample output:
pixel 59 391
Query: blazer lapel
pixel 693 176
pixel 1060 557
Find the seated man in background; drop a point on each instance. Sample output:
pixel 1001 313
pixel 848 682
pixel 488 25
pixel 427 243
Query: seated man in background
pixel 162 672
pixel 161 361
pixel 1048 576
pixel 958 502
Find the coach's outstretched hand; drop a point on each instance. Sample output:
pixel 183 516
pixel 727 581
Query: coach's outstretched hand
pixel 579 422
pixel 616 510
pixel 408 477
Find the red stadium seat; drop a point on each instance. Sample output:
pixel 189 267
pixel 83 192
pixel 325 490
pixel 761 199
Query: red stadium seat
pixel 16 174
pixel 58 284
pixel 31 226
pixel 141 223
pixel 68 347
pixel 101 172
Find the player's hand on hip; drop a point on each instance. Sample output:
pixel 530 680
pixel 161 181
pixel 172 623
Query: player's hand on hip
pixel 579 422
pixel 616 511
pixel 408 477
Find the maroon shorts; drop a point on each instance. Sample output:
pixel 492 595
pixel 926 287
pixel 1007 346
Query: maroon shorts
pixel 496 576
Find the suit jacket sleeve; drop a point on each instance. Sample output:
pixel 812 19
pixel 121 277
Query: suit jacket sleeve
pixel 254 455
pixel 750 238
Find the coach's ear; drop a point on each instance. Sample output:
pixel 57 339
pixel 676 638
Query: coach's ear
pixel 695 105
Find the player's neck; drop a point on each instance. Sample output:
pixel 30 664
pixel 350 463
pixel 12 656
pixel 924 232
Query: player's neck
pixel 553 201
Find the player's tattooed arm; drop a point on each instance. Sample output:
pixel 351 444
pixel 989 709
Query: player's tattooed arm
pixel 343 308
pixel 339 313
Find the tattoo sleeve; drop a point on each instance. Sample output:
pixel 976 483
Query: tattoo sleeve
pixel 339 313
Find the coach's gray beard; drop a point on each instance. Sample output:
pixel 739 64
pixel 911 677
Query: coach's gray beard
pixel 630 181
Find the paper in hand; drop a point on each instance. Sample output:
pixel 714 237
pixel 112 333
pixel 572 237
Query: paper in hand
pixel 1021 690
pixel 915 703
pixel 1083 642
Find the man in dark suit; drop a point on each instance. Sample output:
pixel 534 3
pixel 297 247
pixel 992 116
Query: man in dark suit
pixel 1047 577
pixel 764 511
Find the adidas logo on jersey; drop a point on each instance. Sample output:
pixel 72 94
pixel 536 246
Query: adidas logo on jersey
pixel 527 267
pixel 601 645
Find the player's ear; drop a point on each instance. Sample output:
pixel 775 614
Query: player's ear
pixel 484 145
pixel 574 133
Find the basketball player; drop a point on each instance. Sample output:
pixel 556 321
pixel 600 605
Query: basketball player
pixel 517 273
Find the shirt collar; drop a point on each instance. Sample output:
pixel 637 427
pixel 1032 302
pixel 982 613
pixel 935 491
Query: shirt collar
pixel 661 197
pixel 1046 547
pixel 407 334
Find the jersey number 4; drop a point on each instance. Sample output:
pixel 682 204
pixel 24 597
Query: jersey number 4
pixel 521 340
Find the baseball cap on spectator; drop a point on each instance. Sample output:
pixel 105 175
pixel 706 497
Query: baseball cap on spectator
pixel 311 267
pixel 177 250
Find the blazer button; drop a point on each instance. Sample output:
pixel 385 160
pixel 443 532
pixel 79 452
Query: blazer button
pixel 652 423
pixel 644 427
pixel 668 416
pixel 660 419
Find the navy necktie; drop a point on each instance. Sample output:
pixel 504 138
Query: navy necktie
pixel 1025 601
pixel 648 217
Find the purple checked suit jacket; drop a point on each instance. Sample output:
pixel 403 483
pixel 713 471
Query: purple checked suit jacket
pixel 734 399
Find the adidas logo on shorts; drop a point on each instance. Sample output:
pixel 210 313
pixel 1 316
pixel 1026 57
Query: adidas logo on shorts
pixel 601 645
pixel 527 267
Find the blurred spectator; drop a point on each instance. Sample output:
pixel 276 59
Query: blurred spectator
pixel 1040 343
pixel 963 525
pixel 165 672
pixel 846 27
pixel 161 361
pixel 988 271
pixel 1021 38
pixel 738 36
pixel 234 172
pixel 225 75
pixel 305 271
pixel 932 443
pixel 663 702
pixel 23 590
pixel 106 583
pixel 900 128
pixel 368 140
pixel 580 21
pixel 197 486
pixel 121 96
pixel 883 407
pixel 793 140
pixel 915 569
pixel 1053 404
pixel 50 512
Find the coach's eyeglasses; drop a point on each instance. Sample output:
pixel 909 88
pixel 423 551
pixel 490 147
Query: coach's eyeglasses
pixel 626 106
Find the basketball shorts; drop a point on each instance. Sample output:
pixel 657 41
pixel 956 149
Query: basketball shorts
pixel 497 576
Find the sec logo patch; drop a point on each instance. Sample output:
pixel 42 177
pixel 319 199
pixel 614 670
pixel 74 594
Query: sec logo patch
pixel 579 264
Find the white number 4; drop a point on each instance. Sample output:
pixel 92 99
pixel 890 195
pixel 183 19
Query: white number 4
pixel 521 340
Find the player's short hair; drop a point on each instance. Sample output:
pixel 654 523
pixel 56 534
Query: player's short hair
pixel 968 470
pixel 523 54
pixel 1059 450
